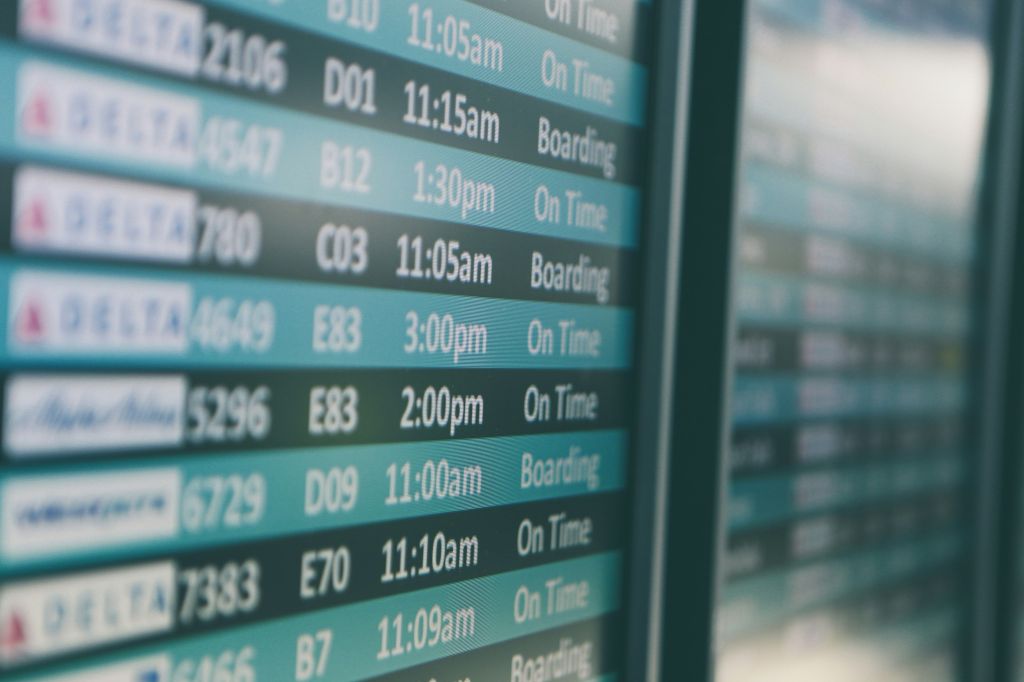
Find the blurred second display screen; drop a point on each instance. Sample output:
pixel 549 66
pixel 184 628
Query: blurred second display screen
pixel 861 133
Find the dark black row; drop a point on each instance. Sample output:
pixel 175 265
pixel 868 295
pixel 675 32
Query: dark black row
pixel 761 450
pixel 235 585
pixel 833 258
pixel 831 535
pixel 270 237
pixel 387 93
pixel 789 349
pixel 242 411
pixel 618 26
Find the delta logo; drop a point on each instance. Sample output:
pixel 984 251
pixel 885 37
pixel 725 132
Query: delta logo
pixel 87 214
pixel 14 646
pixel 163 34
pixel 99 116
pixel 85 314
pixel 44 618
pixel 13 637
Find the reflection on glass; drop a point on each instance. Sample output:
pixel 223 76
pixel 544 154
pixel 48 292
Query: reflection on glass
pixel 861 139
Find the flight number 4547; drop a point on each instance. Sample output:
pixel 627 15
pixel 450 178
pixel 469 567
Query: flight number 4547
pixel 232 147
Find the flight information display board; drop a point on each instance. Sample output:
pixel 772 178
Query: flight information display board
pixel 318 337
pixel 855 247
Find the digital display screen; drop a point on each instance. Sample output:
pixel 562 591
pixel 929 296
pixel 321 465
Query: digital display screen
pixel 856 242
pixel 318 336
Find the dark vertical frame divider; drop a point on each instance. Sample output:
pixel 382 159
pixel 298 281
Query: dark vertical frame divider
pixel 663 225
pixel 699 398
pixel 680 477
pixel 1001 420
pixel 683 593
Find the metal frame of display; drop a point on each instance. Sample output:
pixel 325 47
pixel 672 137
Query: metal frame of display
pixel 663 225
pixel 700 397
pixel 704 312
pixel 1000 507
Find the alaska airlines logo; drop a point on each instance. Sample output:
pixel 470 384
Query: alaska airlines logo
pixel 43 618
pixel 87 214
pixel 13 637
pixel 163 34
pixel 47 414
pixel 101 116
pixel 66 313
pixel 47 515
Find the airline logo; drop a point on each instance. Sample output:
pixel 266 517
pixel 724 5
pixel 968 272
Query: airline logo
pixel 162 34
pixel 49 312
pixel 103 117
pixel 68 414
pixel 44 618
pixel 47 515
pixel 55 211
pixel 153 669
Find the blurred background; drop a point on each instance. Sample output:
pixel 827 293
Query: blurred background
pixel 860 251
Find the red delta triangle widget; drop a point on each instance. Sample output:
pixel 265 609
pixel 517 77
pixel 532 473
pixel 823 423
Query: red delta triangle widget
pixel 28 326
pixel 34 221
pixel 13 637
pixel 39 14
pixel 37 117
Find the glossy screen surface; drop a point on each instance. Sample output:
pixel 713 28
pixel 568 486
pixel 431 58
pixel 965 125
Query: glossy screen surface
pixel 317 337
